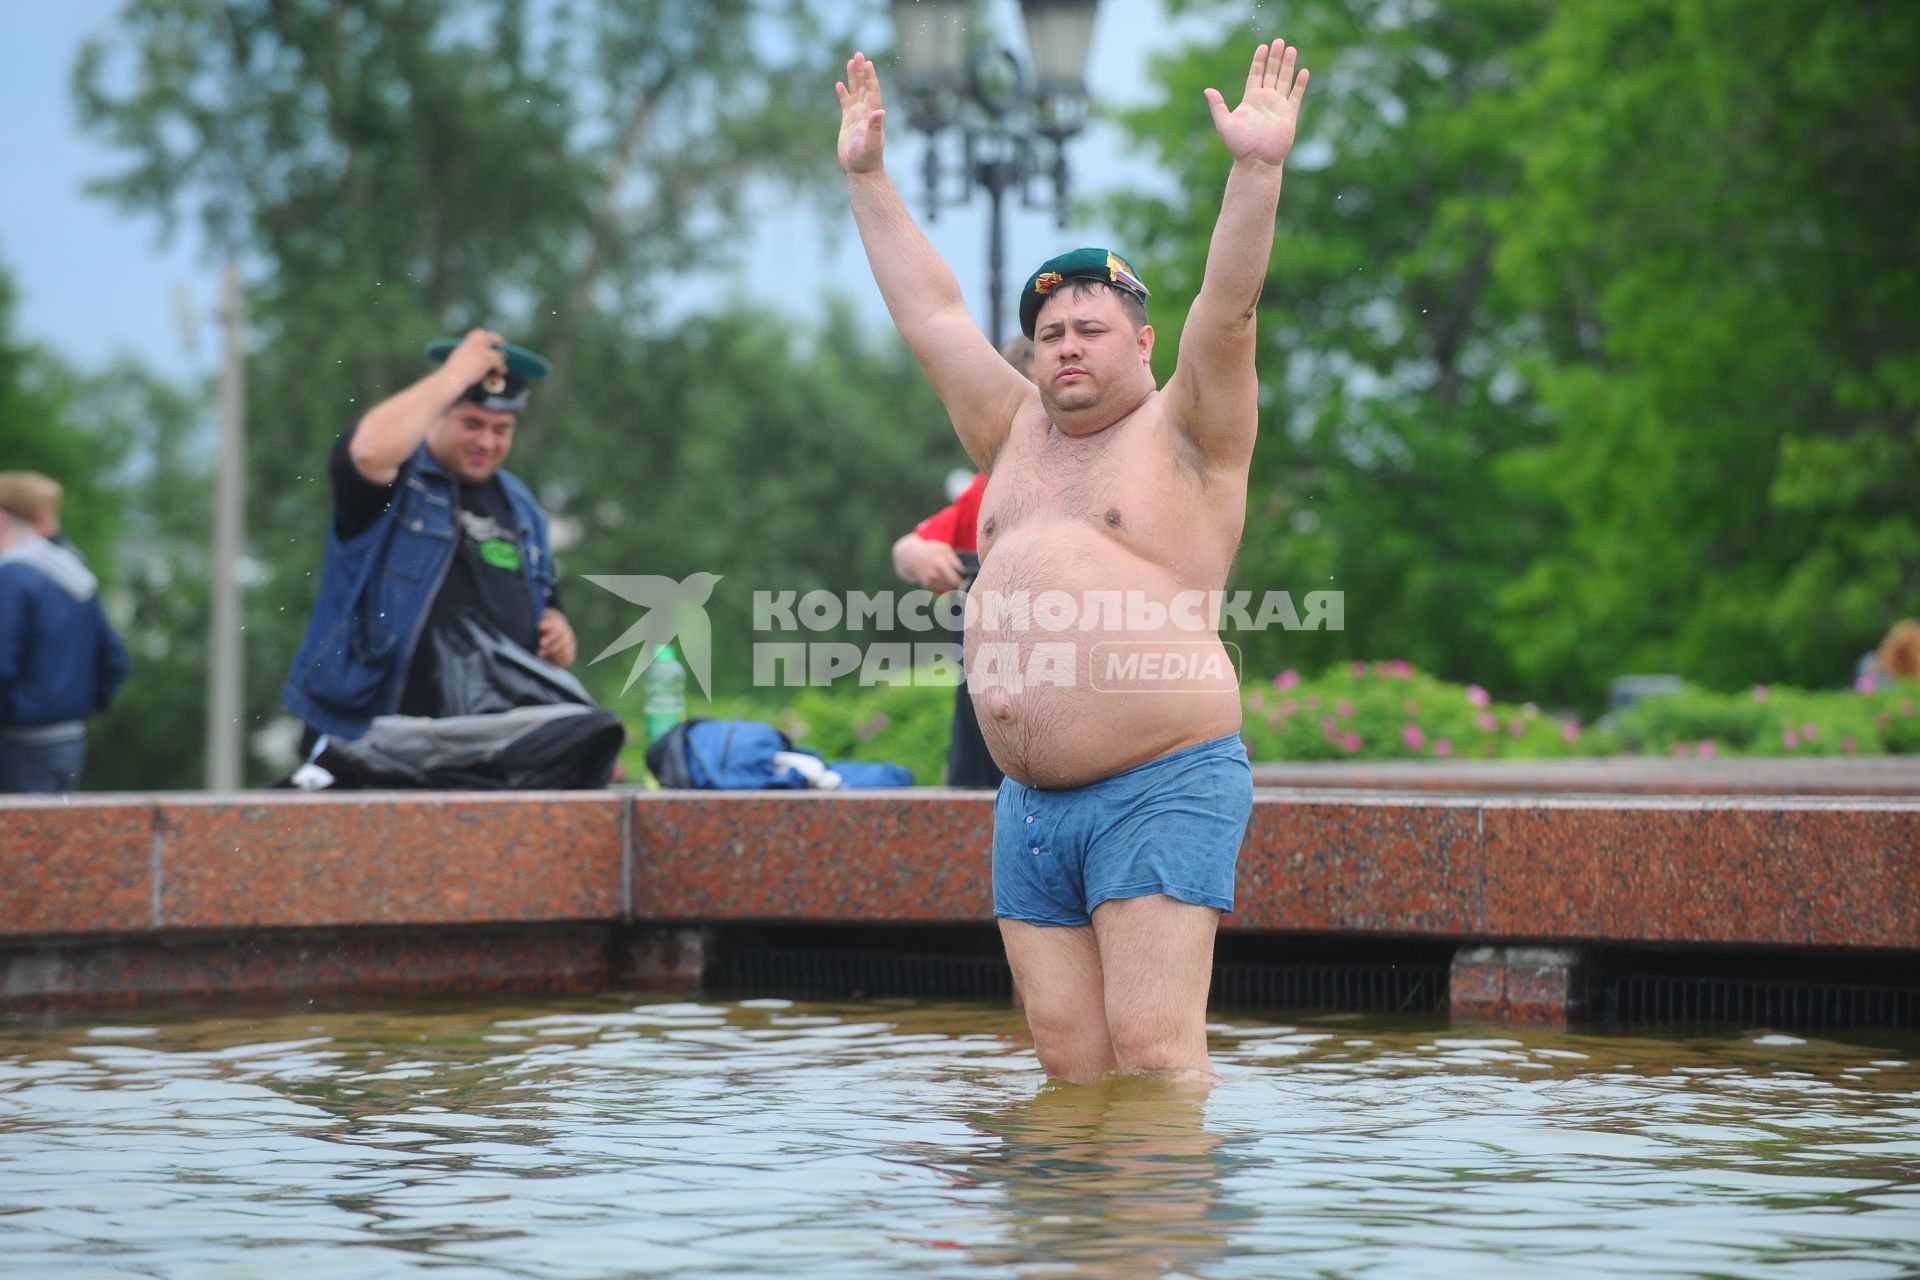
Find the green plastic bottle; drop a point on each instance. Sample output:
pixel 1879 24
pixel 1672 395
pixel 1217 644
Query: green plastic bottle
pixel 663 693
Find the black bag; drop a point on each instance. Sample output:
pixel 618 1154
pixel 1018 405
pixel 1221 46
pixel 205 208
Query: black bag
pixel 557 747
pixel 477 671
pixel 511 721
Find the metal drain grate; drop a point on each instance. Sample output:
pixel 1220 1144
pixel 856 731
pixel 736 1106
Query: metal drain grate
pixel 1629 999
pixel 857 974
pixel 1350 988
pixel 843 974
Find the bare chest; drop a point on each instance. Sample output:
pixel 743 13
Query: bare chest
pixel 1118 481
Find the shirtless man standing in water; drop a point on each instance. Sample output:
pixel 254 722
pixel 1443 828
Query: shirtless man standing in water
pixel 1128 790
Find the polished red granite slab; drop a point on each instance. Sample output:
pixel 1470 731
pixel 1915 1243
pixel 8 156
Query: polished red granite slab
pixel 1477 984
pixel 144 971
pixel 869 857
pixel 1759 872
pixel 1806 873
pixel 432 858
pixel 1537 986
pixel 1767 872
pixel 82 882
pixel 1325 864
pixel 76 865
pixel 1624 775
pixel 1385 865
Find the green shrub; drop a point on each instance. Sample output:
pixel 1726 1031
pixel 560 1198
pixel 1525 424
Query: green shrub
pixel 1771 720
pixel 1377 711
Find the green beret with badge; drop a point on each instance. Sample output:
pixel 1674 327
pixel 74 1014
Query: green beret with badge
pixel 1103 265
pixel 502 392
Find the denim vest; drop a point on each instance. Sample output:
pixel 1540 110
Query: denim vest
pixel 376 589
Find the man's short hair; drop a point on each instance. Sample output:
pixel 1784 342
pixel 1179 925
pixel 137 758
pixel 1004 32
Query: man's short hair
pixel 28 495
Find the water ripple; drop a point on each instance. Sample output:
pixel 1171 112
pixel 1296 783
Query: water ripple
pixel 682 1138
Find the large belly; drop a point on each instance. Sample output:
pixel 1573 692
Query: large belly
pixel 1084 659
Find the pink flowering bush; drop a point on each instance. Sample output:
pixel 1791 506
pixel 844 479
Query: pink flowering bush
pixel 1389 710
pixel 1773 720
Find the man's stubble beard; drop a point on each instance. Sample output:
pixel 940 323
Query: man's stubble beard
pixel 1067 401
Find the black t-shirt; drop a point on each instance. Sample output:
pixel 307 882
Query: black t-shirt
pixel 485 577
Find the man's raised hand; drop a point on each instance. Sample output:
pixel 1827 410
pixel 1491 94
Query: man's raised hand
pixel 860 116
pixel 1261 128
pixel 477 356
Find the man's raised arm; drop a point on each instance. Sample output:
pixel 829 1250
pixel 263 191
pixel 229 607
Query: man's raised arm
pixel 980 390
pixel 1214 394
pixel 386 437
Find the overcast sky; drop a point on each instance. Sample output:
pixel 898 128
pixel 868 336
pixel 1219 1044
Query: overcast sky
pixel 94 282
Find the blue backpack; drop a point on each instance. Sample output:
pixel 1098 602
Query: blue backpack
pixel 738 755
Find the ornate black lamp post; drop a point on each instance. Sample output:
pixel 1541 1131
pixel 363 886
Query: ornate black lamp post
pixel 1012 126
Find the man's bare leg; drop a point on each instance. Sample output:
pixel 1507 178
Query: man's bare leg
pixel 1156 955
pixel 1058 973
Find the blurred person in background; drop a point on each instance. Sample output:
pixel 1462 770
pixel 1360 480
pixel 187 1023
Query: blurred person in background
pixel 1897 658
pixel 942 554
pixel 60 660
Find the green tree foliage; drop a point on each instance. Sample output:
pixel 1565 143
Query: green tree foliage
pixel 129 451
pixel 1382 334
pixel 1589 341
pixel 1716 235
pixel 41 430
pixel 736 447
pixel 154 736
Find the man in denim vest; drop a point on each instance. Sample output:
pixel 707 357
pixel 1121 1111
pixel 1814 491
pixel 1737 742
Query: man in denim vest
pixel 428 531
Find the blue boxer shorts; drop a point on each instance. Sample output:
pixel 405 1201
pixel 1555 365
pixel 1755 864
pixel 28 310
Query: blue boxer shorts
pixel 1170 826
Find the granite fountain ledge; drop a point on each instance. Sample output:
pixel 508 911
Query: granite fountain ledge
pixel 1623 775
pixel 117 899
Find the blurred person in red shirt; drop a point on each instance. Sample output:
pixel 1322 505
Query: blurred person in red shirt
pixel 942 554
